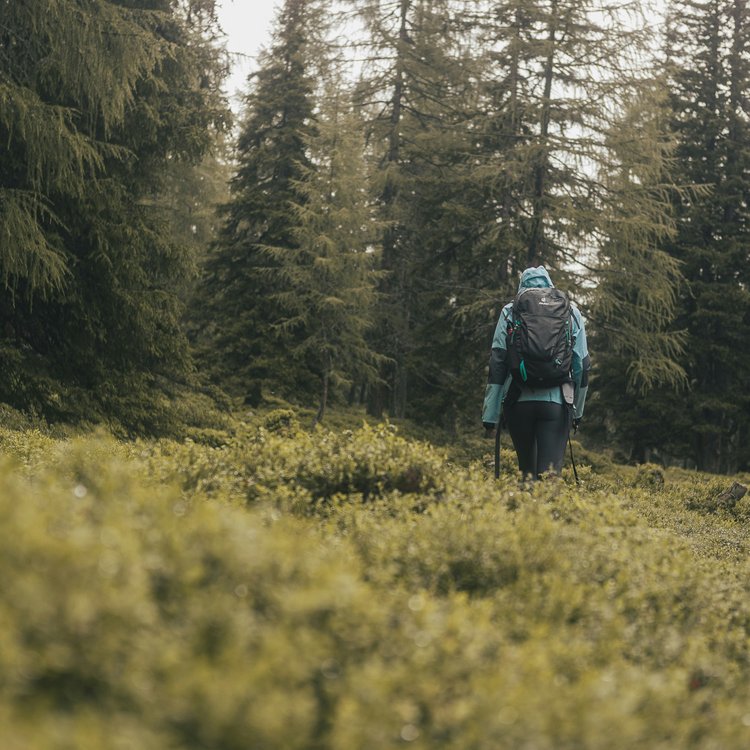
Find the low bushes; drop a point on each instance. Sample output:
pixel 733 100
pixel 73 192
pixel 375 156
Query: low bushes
pixel 299 469
pixel 282 589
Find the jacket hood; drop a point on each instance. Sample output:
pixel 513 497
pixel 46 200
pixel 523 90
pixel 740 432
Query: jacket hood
pixel 535 278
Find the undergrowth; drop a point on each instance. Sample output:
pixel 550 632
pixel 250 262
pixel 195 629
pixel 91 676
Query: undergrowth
pixel 265 586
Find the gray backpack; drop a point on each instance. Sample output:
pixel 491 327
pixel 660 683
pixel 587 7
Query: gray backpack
pixel 540 338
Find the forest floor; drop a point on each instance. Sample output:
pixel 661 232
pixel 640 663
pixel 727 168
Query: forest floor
pixel 262 585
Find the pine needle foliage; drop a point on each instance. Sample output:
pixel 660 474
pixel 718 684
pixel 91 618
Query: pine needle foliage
pixel 706 59
pixel 636 300
pixel 96 99
pixel 236 302
pixel 327 283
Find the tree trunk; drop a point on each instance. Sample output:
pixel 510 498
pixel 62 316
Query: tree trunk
pixel 398 401
pixel 708 454
pixel 376 401
pixel 379 392
pixel 736 79
pixel 323 399
pixel 536 239
pixel 637 454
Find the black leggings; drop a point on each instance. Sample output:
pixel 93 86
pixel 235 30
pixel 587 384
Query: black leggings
pixel 539 430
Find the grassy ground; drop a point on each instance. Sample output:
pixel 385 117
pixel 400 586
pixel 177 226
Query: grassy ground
pixel 258 585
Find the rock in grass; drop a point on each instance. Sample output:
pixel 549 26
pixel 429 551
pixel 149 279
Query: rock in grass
pixel 729 498
pixel 724 500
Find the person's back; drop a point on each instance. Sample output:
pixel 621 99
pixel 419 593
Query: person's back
pixel 538 418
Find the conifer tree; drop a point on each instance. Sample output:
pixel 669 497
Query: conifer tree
pixel 382 93
pixel 635 303
pixel 448 205
pixel 89 263
pixel 707 60
pixel 640 354
pixel 190 200
pixel 238 302
pixel 494 120
pixel 562 72
pixel 327 281
pixel 416 91
pixel 48 103
pixel 576 160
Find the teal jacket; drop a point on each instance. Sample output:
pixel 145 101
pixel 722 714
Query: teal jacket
pixel 499 377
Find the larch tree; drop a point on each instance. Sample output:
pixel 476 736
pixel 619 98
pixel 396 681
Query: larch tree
pixel 580 151
pixel 639 349
pixel 559 74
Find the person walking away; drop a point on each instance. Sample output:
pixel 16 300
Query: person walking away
pixel 539 400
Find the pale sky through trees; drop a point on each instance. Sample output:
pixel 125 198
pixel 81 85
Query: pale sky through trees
pixel 247 24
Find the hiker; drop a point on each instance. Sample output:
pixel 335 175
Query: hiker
pixel 539 405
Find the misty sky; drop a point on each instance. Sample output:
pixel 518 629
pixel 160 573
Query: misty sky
pixel 247 24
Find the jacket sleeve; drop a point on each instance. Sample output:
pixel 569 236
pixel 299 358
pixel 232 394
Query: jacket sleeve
pixel 498 373
pixel 581 365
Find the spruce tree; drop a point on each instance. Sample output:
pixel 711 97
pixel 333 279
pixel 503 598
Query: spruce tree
pixel 448 207
pixel 382 94
pixel 326 284
pixel 191 196
pixel 52 111
pixel 707 60
pixel 90 264
pixel 238 302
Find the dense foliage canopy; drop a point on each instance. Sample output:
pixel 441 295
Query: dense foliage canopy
pixel 396 166
pixel 100 102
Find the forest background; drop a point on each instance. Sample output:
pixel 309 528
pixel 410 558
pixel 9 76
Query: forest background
pixel 353 238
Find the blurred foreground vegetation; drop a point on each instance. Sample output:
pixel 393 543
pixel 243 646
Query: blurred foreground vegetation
pixel 262 586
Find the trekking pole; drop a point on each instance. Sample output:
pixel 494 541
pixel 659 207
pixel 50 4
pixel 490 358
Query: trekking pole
pixel 497 445
pixel 572 460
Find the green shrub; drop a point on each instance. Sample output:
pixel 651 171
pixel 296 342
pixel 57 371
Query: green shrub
pixel 649 476
pixel 29 448
pixel 450 547
pixel 371 595
pixel 369 463
pixel 281 421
